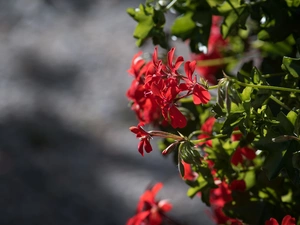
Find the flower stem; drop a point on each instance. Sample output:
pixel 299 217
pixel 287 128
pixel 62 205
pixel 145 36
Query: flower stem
pixel 163 134
pixel 213 137
pixel 267 87
pixel 215 62
pixel 279 102
pixel 213 87
pixel 171 4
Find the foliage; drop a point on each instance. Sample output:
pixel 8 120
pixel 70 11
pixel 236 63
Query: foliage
pixel 238 147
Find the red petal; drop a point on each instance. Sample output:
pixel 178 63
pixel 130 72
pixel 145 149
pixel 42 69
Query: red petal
pixel 288 220
pixel 272 221
pixel 170 57
pixel 178 62
pixel 165 206
pixel 238 185
pixel 135 130
pixel 177 118
pixel 147 146
pixel 200 95
pixel 249 153
pixel 141 147
pixel 156 188
pixel 236 157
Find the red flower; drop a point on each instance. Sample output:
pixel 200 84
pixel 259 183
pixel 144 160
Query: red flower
pixel 215 43
pixel 150 211
pixel 287 220
pixel 241 153
pixel 144 139
pixel 136 65
pixel 206 129
pixel 220 218
pixel 165 97
pixel 238 185
pixel 179 61
pixel 200 94
pixel 189 174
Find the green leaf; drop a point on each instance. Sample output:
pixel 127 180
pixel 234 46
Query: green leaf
pixel 293 3
pixel 292 65
pixel 273 163
pixel 292 117
pixel 285 124
pixel 189 154
pixel 234 20
pixel 150 24
pixel 183 26
pixel 194 190
pixel 246 94
pixel 232 121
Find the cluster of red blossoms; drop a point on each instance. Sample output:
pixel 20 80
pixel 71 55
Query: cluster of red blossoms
pixel 150 211
pixel 157 88
pixel 223 193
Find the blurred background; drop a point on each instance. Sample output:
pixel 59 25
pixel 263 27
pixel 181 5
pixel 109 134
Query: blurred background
pixel 66 154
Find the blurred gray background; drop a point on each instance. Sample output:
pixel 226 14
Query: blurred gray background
pixel 66 154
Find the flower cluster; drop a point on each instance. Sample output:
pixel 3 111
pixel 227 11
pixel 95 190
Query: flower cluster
pixel 150 211
pixel 157 89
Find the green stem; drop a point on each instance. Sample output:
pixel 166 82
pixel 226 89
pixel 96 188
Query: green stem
pixel 213 87
pixel 195 133
pixel 215 62
pixel 267 87
pixel 279 102
pixel 272 75
pixel 213 137
pixel 171 4
pixel 163 134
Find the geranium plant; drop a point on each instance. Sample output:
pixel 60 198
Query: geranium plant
pixel 230 114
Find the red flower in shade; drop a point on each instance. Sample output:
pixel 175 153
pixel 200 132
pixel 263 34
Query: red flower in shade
pixel 144 137
pixel 242 153
pixel 238 185
pixel 150 211
pixel 287 220
pixel 200 94
pixel 220 218
pixel 206 129
pixel 215 43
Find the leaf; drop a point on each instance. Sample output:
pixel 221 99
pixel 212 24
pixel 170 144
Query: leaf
pixel 292 117
pixel 273 163
pixel 194 24
pixel 293 3
pixel 235 19
pixel 292 65
pixel 150 24
pixel 246 94
pixel 232 121
pixel 285 124
pixel 183 26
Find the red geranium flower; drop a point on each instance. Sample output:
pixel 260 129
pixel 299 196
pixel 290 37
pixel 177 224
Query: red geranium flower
pixel 144 137
pixel 242 153
pixel 287 220
pixel 150 211
pixel 206 129
pixel 200 94
pixel 238 185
